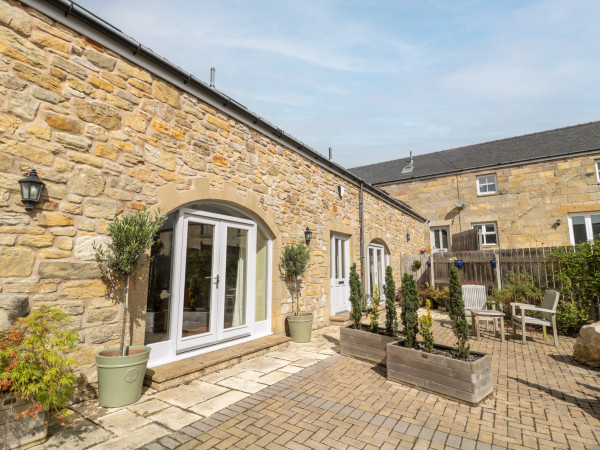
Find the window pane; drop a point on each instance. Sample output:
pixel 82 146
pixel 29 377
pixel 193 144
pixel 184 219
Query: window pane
pixel 371 271
pixel 236 267
pixel 579 231
pixel 260 306
pixel 444 234
pixel 336 243
pixel 491 239
pixel 343 258
pixel 595 225
pixel 490 228
pixel 436 235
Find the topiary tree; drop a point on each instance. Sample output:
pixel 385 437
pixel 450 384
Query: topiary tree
pixel 356 296
pixel 425 324
pixel 374 315
pixel 131 237
pixel 410 305
pixel 294 262
pixel 456 310
pixel 391 317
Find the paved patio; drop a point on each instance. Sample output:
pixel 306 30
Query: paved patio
pixel 308 396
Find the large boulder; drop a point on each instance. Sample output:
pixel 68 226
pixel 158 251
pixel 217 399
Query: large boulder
pixel 587 346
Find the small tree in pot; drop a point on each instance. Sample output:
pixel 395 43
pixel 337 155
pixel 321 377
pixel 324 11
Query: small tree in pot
pixel 356 295
pixel 293 264
pixel 131 237
pixel 391 316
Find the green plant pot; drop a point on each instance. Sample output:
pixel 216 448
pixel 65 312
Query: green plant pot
pixel 300 326
pixel 120 378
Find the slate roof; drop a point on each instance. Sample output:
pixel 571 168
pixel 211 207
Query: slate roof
pixel 528 148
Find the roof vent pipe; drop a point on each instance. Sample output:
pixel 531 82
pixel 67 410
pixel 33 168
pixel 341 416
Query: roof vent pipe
pixel 411 160
pixel 212 77
pixel 330 154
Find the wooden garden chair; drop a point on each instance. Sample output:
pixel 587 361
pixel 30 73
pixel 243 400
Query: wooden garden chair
pixel 475 298
pixel 547 310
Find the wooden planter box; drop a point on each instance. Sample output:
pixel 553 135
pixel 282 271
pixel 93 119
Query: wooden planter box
pixel 364 345
pixel 469 382
pixel 23 433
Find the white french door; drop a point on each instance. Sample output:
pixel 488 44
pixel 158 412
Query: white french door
pixel 376 264
pixel 340 285
pixel 214 289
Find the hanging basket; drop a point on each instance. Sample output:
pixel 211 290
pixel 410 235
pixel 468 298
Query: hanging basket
pixel 458 263
pixel 493 263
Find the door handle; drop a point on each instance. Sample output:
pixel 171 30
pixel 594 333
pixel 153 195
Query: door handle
pixel 216 280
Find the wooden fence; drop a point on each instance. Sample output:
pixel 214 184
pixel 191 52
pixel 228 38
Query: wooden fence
pixel 477 266
pixel 469 240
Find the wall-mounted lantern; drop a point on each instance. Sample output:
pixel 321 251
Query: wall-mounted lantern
pixel 31 189
pixel 558 222
pixel 408 236
pixel 341 191
pixel 307 236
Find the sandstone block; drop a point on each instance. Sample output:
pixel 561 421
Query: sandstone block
pixel 160 158
pixel 96 132
pixel 98 113
pixel 166 94
pixel 103 334
pixel 119 102
pixel 64 123
pixel 99 59
pixel 144 87
pixel 36 241
pixel 84 289
pixel 45 95
pixel 195 161
pixel 55 219
pixel 163 127
pixel 99 208
pixel 84 246
pixel 11 82
pixel 37 77
pixel 135 122
pixel 86 181
pixel 220 160
pixel 101 84
pixel 16 262
pixel 134 72
pixel 76 142
pixel 103 315
pixel 85 158
pixel 68 270
pixel 11 308
pixel 158 109
pixel 587 346
pixel 65 243
pixel 14 46
pixel 129 97
pixel 14 219
pixel 47 40
pixel 31 288
pixel 73 69
pixel 15 18
pixel 9 124
pixel 54 253
pixel 106 151
pixel 23 106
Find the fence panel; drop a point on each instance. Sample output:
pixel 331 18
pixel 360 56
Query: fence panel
pixel 469 240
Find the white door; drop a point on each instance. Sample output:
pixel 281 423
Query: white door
pixel 340 274
pixel 213 294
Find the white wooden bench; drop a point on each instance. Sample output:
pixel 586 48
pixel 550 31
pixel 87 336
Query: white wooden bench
pixel 475 299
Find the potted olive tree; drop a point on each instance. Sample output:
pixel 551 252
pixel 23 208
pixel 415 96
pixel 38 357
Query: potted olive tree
pixel 121 370
pixel 293 264
pixel 36 375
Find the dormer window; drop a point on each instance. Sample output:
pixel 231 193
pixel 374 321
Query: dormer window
pixel 486 184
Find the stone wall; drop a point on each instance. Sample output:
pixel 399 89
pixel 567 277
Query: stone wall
pixel 106 137
pixel 533 196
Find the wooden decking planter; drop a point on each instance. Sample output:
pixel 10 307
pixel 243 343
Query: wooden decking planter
pixel 364 345
pixel 468 382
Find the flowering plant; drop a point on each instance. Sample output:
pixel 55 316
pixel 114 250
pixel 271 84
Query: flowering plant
pixel 454 258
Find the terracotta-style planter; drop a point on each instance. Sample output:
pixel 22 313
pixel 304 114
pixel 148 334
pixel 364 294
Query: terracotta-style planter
pixel 468 382
pixel 23 433
pixel 364 345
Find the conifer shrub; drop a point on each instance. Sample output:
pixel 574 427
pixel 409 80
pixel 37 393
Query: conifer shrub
pixel 425 324
pixel 374 314
pixel 391 317
pixel 410 305
pixel 356 296
pixel 456 310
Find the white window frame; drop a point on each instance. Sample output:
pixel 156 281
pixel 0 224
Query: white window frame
pixel 588 225
pixel 432 232
pixel 379 277
pixel 484 234
pixel 482 180
pixel 597 165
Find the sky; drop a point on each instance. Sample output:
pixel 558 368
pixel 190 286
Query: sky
pixel 375 80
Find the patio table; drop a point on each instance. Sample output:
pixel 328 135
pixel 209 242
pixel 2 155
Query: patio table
pixel 487 313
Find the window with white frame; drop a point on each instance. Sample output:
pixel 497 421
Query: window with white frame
pixel 598 170
pixel 486 184
pixel 489 234
pixel 440 241
pixel 584 227
pixel 377 261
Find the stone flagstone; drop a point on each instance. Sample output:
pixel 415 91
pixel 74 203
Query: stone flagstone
pixel 218 403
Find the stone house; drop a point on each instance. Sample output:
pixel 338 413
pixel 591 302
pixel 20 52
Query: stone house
pixel 536 190
pixel 111 127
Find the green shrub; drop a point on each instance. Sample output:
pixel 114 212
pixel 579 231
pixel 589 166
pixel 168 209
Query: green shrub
pixel 518 288
pixel 374 314
pixel 33 361
pixel 425 324
pixel 356 296
pixel 456 310
pixel 391 316
pixel 408 315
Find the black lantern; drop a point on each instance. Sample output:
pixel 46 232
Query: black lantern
pixel 307 236
pixel 31 189
pixel 408 236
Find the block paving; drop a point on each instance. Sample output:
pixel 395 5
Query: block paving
pixel 308 396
